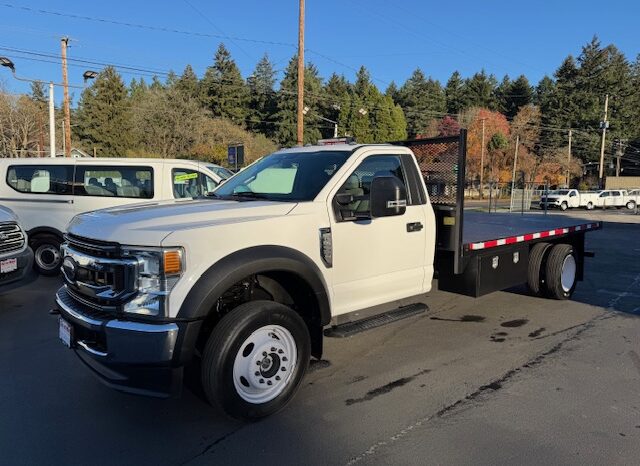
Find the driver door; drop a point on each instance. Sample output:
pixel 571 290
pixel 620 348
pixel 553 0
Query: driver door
pixel 375 261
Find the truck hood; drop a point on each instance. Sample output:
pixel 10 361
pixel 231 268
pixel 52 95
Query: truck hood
pixel 7 215
pixel 149 223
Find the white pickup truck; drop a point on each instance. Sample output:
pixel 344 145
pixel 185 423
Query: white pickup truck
pixel 564 199
pixel 306 243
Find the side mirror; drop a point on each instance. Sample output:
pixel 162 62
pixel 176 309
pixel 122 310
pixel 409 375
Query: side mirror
pixel 388 197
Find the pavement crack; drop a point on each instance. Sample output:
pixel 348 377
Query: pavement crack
pixel 212 444
pixel 371 394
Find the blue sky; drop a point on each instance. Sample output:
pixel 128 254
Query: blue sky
pixel 390 38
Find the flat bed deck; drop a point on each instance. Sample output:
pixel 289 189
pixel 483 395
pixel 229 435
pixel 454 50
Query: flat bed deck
pixel 483 230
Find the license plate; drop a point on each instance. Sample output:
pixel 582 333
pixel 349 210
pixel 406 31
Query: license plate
pixel 8 265
pixel 65 332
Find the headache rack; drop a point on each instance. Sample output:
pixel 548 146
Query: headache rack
pixel 442 161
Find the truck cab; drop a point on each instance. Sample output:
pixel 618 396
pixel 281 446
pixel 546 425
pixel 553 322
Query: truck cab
pixel 562 199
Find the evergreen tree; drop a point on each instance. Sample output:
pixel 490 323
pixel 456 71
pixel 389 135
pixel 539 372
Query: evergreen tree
pixel 104 115
pixel 335 96
pixel 519 93
pixel 38 92
pixel 172 79
pixel 502 94
pixel 479 91
pixel 262 97
pixel 454 93
pixel 286 114
pixel 156 84
pixel 224 91
pixel 392 91
pixel 137 89
pixel 188 83
pixel 421 99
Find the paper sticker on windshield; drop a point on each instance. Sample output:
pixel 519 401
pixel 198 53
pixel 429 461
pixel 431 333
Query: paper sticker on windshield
pixel 185 177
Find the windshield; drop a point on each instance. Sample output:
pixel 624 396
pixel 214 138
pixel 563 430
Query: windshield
pixel 291 176
pixel 220 171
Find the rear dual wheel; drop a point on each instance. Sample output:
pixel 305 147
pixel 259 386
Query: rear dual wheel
pixel 552 270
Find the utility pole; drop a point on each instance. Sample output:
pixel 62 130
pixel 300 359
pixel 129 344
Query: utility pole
pixel 52 123
pixel 482 163
pixel 301 75
pixel 604 124
pixel 619 153
pixel 515 162
pixel 63 126
pixel 569 160
pixel 64 42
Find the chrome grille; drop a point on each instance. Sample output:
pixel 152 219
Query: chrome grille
pixel 98 277
pixel 11 237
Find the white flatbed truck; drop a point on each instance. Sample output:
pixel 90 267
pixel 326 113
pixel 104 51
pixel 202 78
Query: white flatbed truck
pixel 306 243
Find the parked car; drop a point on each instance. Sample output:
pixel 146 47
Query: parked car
pixel 47 193
pixel 632 199
pixel 16 257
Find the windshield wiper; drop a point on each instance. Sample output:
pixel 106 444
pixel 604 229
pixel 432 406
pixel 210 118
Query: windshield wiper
pixel 248 195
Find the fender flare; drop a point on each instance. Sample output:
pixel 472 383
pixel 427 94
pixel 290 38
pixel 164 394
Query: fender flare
pixel 45 231
pixel 240 264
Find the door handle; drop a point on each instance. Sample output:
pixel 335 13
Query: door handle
pixel 414 226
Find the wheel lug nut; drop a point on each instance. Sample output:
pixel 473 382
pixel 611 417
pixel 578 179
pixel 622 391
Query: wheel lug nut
pixel 272 349
pixel 257 363
pixel 284 358
pixel 264 353
pixel 261 380
pixel 283 369
pixel 268 382
pixel 280 351
pixel 277 377
pixel 257 373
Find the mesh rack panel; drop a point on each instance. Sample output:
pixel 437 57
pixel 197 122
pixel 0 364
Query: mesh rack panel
pixel 441 162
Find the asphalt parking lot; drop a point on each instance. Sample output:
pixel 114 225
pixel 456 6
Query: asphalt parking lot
pixel 523 380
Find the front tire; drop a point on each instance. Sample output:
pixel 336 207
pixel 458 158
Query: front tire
pixel 631 205
pixel 561 272
pixel 564 206
pixel 255 359
pixel 47 258
pixel 590 206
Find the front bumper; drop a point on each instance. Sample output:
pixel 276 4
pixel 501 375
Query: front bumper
pixel 135 357
pixel 13 280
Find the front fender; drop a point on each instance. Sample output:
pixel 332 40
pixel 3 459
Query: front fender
pixel 240 264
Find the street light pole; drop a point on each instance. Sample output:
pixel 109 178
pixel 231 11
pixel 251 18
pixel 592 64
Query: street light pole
pixel 300 123
pixel 52 122
pixel 604 125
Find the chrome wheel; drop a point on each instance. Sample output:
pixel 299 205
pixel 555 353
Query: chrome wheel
pixel 264 364
pixel 47 257
pixel 568 276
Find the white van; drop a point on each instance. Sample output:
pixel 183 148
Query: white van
pixel 47 193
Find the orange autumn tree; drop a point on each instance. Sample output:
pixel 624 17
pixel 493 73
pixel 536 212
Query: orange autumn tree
pixel 496 126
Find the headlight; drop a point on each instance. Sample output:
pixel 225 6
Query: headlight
pixel 159 269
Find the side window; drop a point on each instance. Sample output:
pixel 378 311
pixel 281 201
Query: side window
pixel 114 181
pixel 358 185
pixel 186 183
pixel 573 194
pixel 208 184
pixel 41 179
pixel 604 194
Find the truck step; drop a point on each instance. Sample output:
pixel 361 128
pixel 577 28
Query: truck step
pixel 351 328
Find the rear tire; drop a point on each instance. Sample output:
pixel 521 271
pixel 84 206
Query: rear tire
pixel 47 258
pixel 535 274
pixel 589 205
pixel 561 272
pixel 255 359
pixel 631 205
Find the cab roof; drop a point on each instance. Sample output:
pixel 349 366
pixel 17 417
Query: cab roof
pixel 330 148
